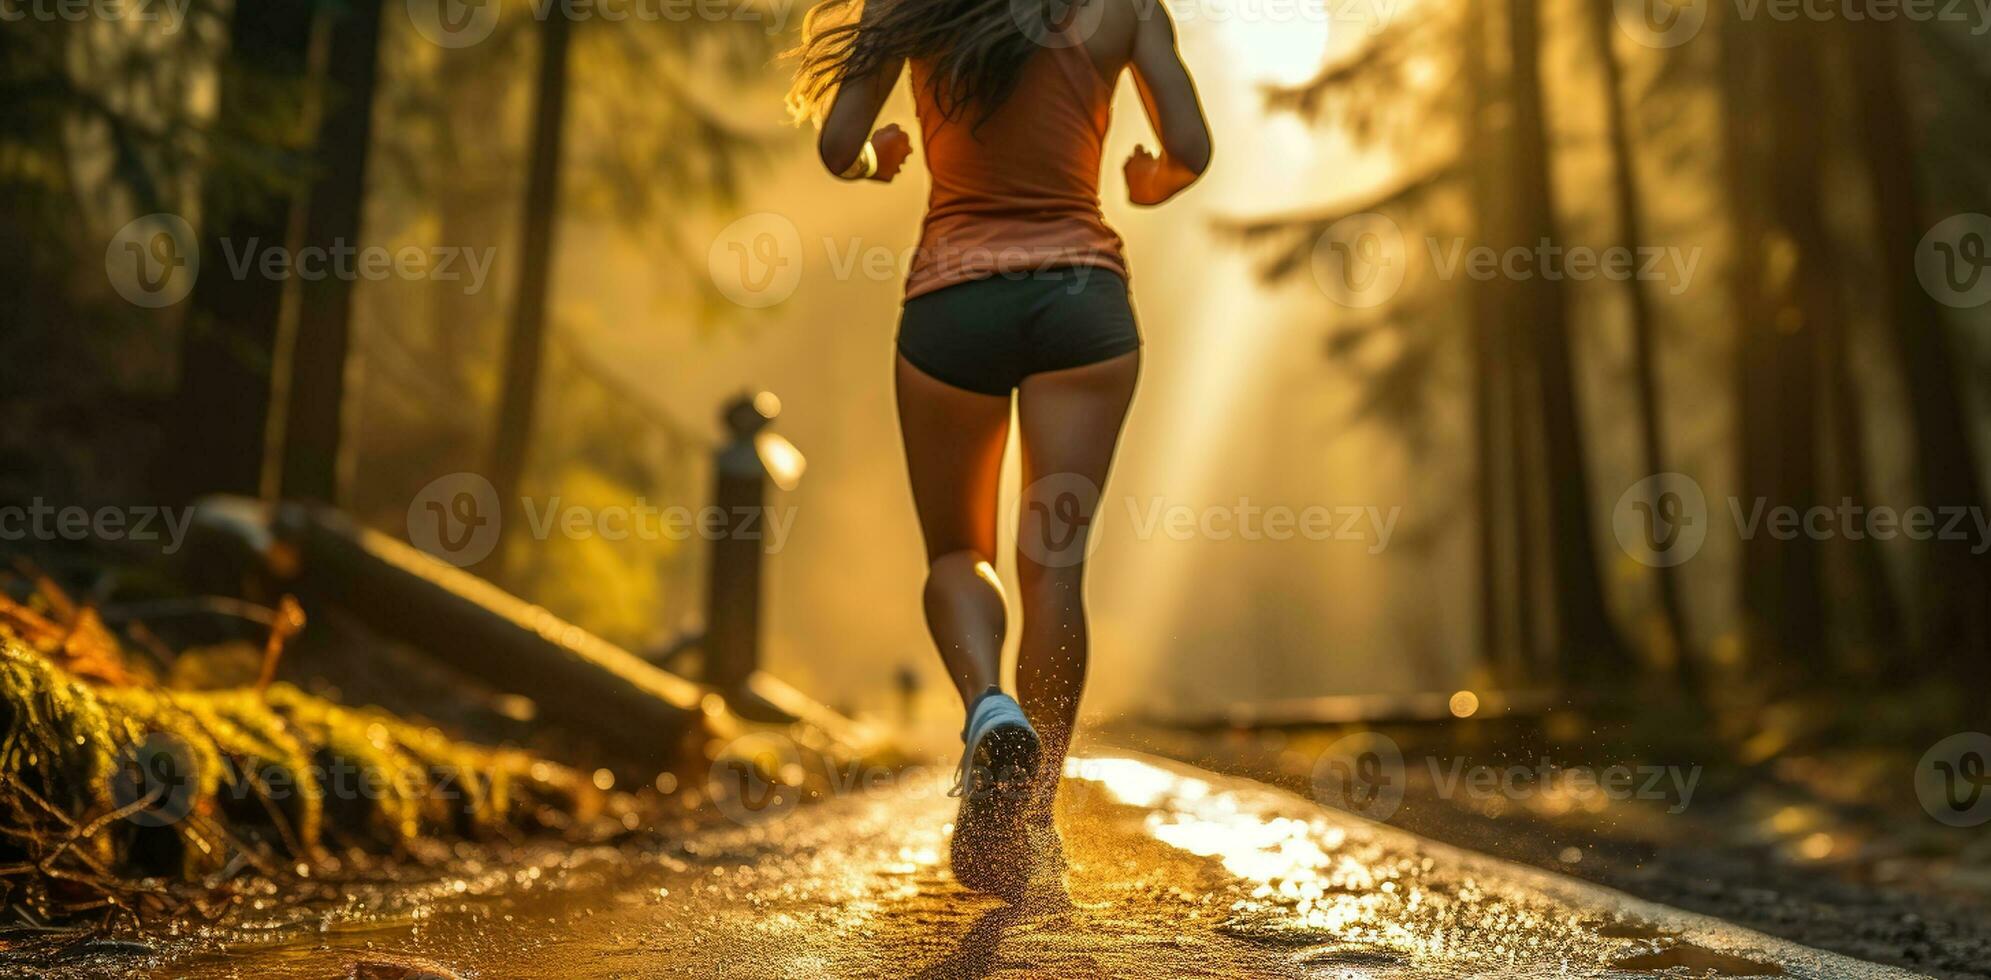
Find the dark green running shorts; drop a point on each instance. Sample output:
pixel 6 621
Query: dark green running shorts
pixel 987 335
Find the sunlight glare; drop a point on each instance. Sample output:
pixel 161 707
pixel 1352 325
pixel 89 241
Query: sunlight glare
pixel 784 462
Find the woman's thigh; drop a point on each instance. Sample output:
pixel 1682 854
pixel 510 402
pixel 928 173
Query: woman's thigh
pixel 954 440
pixel 1070 423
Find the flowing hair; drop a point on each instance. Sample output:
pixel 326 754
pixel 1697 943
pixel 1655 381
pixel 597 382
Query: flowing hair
pixel 978 49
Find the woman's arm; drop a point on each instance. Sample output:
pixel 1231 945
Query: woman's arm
pixel 1173 109
pixel 842 141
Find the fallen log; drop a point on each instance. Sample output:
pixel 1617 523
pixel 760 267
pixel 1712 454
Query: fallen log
pixel 641 716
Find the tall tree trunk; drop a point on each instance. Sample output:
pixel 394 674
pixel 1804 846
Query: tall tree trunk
pixel 1957 585
pixel 1496 646
pixel 1787 299
pixel 1678 652
pixel 1585 637
pixel 313 402
pixel 469 212
pixel 1523 435
pixel 525 348
pixel 219 423
pixel 1861 589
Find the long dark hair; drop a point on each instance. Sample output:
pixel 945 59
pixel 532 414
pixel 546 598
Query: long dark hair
pixel 978 48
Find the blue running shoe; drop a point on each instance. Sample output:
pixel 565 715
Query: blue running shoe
pixel 998 769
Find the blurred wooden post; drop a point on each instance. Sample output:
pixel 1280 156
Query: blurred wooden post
pixel 733 587
pixel 908 684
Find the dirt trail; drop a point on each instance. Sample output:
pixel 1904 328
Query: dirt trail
pixel 1175 872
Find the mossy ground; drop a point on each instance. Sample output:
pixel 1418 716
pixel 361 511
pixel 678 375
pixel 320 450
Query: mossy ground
pixel 109 791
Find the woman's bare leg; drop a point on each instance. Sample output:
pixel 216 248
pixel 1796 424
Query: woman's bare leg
pixel 954 440
pixel 1070 425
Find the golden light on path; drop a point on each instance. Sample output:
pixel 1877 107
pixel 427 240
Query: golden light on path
pixel 1299 877
pixel 1363 894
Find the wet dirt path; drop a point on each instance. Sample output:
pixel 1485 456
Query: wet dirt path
pixel 1175 872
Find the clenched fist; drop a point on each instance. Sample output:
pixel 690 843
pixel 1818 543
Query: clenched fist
pixel 1144 178
pixel 893 146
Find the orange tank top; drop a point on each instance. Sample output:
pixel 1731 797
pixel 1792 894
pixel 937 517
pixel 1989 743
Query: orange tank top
pixel 1020 193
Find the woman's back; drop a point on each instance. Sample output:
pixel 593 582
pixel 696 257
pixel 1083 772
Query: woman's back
pixel 1017 189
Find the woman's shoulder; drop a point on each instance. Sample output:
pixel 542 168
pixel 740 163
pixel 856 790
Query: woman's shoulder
pixel 1107 27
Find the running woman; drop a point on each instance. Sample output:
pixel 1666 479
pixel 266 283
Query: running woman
pixel 1017 288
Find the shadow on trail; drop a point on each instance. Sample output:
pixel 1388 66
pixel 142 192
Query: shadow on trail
pixel 976 954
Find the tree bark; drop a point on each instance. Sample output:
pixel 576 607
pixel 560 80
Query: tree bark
pixel 1496 645
pixel 525 348
pixel 314 400
pixel 1679 654
pixel 1586 639
pixel 220 421
pixel 1786 300
pixel 1957 585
